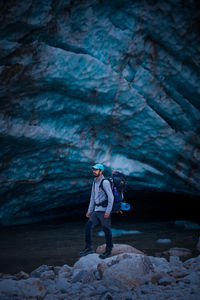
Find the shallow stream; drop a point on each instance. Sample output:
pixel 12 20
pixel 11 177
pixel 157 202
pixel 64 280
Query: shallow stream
pixel 26 247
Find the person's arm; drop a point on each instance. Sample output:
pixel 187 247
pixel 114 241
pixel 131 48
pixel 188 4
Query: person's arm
pixel 92 202
pixel 109 193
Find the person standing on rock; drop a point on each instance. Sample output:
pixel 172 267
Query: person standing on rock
pixel 99 212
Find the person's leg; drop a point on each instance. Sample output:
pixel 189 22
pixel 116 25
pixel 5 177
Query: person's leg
pixel 91 223
pixel 106 226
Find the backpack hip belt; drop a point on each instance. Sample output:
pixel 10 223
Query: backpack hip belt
pixel 103 203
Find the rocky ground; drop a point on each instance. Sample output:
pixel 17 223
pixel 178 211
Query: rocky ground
pixel 129 274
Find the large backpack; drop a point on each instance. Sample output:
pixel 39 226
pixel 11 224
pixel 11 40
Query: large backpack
pixel 118 185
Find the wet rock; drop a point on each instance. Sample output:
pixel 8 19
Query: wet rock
pixel 47 275
pixel 119 248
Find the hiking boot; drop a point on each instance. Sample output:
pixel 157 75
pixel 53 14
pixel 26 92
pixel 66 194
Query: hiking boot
pixel 106 254
pixel 86 251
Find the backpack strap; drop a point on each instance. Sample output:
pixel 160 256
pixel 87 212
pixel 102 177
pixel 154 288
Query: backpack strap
pixel 105 202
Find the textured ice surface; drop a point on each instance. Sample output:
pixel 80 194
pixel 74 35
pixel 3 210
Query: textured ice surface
pixel 96 81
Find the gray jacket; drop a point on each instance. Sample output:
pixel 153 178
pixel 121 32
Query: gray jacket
pixel 98 196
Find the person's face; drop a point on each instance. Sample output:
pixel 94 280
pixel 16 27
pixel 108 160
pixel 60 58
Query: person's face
pixel 97 172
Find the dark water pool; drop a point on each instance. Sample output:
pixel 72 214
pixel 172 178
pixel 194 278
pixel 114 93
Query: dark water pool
pixel 26 247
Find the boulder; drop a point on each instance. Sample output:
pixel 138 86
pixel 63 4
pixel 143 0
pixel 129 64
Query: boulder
pixel 119 248
pixel 159 264
pixel 88 262
pixel 126 270
pixel 129 272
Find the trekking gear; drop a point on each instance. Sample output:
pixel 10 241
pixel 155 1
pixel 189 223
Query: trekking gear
pixel 118 185
pixel 86 251
pixel 98 166
pixel 125 206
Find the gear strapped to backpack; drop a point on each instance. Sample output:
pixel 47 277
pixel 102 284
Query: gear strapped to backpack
pixel 118 186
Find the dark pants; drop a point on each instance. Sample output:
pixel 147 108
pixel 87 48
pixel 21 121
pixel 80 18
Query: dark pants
pixel 96 218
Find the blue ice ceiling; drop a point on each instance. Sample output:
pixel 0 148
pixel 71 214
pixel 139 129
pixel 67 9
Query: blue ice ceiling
pixel 96 81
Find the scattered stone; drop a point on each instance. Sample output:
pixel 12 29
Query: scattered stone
pixel 37 272
pixel 175 261
pixel 193 264
pixel 179 273
pixel 31 287
pixel 101 289
pixel 155 278
pixel 62 285
pixel 6 276
pixel 166 280
pixel 107 296
pixel 82 276
pixel 124 276
pixel 192 278
pixel 65 268
pixel 119 248
pixel 21 275
pixel 47 275
pixel 52 297
pixel 56 269
pixel 65 271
